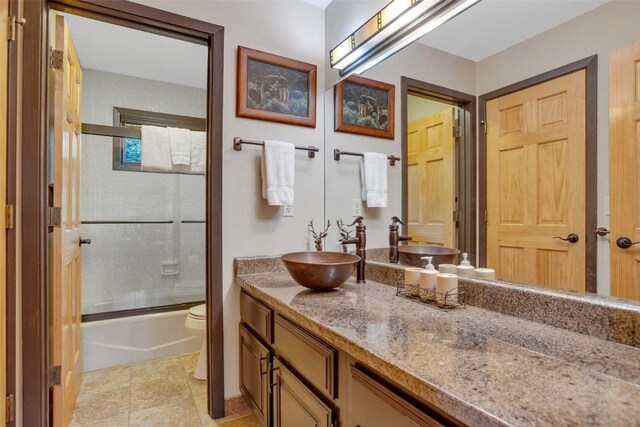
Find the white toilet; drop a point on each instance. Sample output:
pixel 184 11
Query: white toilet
pixel 196 325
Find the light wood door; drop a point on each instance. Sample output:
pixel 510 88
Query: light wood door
pixel 431 179
pixel 66 302
pixel 624 143
pixel 536 189
pixel 4 44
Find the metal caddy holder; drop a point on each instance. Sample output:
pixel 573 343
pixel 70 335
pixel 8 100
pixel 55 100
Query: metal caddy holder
pixel 444 300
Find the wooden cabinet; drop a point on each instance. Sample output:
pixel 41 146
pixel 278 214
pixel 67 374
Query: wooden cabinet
pixel 255 364
pixel 294 379
pixel 307 355
pixel 372 404
pixel 257 316
pixel 294 404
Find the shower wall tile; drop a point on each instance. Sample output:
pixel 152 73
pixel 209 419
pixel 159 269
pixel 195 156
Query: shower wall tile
pixel 122 267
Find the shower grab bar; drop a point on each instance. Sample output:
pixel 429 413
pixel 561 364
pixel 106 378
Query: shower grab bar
pixel 143 222
pixel 237 145
pixel 337 153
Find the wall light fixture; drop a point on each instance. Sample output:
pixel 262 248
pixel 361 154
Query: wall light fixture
pixel 395 26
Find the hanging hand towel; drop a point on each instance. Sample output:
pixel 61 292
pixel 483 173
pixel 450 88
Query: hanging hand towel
pixel 198 152
pixel 373 174
pixel 156 154
pixel 277 172
pixel 180 143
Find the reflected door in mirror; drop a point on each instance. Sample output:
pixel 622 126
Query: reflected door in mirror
pixel 624 143
pixel 431 179
pixel 536 189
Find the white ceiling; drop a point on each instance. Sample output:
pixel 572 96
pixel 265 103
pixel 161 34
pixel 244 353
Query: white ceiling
pixel 491 26
pixel 121 50
pixel 320 3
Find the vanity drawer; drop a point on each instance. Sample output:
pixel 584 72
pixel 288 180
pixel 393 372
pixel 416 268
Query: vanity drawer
pixel 257 316
pixel 372 403
pixel 311 358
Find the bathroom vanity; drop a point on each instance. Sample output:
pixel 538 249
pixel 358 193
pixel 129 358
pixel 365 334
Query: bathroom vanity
pixel 361 356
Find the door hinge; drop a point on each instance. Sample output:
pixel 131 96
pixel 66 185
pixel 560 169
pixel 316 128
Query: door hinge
pixel 456 132
pixel 56 59
pixel 55 216
pixel 55 375
pixel 484 126
pixel 486 215
pixel 9 217
pixel 10 402
pixel 13 30
pixel 456 216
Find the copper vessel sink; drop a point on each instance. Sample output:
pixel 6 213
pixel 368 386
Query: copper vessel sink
pixel 320 270
pixel 411 255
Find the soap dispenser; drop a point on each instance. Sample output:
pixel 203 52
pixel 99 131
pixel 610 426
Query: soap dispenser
pixel 428 279
pixel 465 268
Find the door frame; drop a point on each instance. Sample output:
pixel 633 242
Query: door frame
pixel 35 234
pixel 14 69
pixel 465 158
pixel 590 65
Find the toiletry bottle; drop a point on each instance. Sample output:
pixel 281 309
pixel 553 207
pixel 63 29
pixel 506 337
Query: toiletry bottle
pixel 428 280
pixel 465 268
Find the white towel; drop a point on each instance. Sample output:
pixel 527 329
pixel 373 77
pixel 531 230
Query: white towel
pixel 180 143
pixel 198 152
pixel 156 154
pixel 373 174
pixel 277 172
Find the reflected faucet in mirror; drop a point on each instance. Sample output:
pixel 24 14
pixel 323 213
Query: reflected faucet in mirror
pixel 361 244
pixel 395 238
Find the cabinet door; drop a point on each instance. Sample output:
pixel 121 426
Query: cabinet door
pixel 372 404
pixel 295 405
pixel 254 373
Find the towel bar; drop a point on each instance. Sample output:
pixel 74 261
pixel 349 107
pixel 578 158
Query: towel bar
pixel 237 145
pixel 337 153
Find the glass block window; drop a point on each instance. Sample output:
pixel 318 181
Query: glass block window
pixel 132 150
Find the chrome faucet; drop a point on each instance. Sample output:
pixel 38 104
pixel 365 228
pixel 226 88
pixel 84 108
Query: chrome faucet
pixel 394 239
pixel 361 243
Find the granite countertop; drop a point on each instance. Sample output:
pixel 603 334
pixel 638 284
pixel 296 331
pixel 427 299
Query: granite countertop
pixel 480 366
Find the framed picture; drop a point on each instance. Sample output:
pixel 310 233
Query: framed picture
pixel 365 107
pixel 274 88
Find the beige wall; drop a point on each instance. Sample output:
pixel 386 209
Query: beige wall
pixel 289 28
pixel 594 33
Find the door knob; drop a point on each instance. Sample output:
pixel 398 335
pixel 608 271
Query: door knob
pixel 571 238
pixel 625 242
pixel 84 241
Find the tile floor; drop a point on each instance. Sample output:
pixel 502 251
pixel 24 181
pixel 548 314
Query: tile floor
pixel 160 392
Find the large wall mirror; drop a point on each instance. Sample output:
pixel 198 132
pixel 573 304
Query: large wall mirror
pixel 505 120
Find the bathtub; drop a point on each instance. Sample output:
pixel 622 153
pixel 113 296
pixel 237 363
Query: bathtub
pixel 113 342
